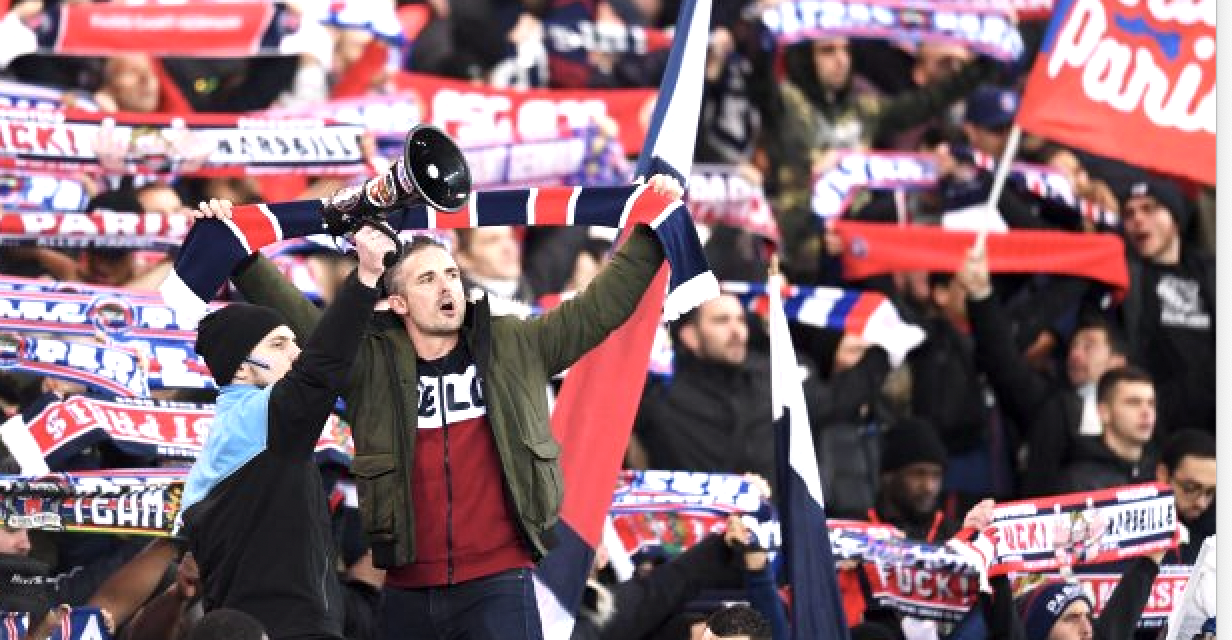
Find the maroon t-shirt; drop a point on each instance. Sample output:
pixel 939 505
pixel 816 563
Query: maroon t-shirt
pixel 464 527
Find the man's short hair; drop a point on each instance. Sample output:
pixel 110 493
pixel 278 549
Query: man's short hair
pixel 739 620
pixel 1186 443
pixel 1112 332
pixel 417 242
pixel 464 239
pixel 8 464
pixel 227 624
pixel 1114 377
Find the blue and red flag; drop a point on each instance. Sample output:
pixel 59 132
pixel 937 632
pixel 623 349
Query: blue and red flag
pixel 593 428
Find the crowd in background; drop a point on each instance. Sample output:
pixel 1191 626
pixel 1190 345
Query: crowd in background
pixel 1025 385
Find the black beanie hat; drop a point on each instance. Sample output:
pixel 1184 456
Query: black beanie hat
pixel 909 442
pixel 1167 195
pixel 226 336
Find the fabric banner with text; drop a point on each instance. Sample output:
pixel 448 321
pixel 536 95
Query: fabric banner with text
pixel 475 115
pixel 162 429
pixel 142 502
pixel 986 29
pixel 1108 68
pixel 215 145
pixel 195 29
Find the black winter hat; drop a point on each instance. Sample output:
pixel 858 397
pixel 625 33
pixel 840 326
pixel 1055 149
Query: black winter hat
pixel 909 442
pixel 1167 195
pixel 226 336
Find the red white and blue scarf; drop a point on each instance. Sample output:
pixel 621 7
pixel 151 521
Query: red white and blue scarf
pixel 213 247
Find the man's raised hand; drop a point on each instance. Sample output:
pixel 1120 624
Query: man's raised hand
pixel 666 185
pixel 371 246
pixel 214 208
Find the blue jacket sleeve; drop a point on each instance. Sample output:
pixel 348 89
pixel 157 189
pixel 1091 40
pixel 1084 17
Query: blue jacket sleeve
pixel 765 599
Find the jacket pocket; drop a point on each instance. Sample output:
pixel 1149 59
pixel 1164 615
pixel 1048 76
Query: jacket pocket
pixel 377 485
pixel 547 483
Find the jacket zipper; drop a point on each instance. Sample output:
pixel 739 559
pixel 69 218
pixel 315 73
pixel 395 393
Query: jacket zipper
pixel 440 393
pixel 324 590
pixel 481 370
pixel 400 439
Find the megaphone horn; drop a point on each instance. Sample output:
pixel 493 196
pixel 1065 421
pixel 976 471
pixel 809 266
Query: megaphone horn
pixel 432 170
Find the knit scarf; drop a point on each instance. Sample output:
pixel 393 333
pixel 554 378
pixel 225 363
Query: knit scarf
pixel 214 247
pixel 985 29
pixel 73 140
pixel 854 171
pixel 94 230
pixel 153 429
pixel 137 501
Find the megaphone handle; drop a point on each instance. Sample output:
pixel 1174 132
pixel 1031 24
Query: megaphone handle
pixel 391 257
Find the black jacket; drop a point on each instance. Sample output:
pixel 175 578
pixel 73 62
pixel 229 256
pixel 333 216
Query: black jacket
pixel 847 433
pixel 1095 466
pixel 262 536
pixel 712 417
pixel 946 388
pixel 1047 410
pixel 1199 530
pixel 642 606
pixel 1184 372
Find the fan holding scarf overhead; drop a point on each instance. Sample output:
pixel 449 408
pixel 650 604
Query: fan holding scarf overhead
pixel 462 503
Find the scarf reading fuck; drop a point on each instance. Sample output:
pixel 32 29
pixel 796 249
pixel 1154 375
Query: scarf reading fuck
pixel 213 248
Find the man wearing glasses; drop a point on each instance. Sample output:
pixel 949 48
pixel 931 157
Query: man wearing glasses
pixel 1187 464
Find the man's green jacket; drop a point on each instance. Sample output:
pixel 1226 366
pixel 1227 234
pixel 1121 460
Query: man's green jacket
pixel 516 358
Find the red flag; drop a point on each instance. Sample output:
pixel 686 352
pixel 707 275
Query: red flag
pixel 594 427
pixel 1135 83
pixel 873 249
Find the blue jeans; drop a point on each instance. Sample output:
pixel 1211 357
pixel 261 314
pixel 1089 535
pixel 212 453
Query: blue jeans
pixel 497 607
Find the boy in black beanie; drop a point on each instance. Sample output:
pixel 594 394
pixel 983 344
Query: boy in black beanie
pixel 254 509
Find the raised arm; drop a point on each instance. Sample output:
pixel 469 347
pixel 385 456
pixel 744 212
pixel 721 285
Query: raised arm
pixel 302 401
pixel 578 325
pixel 1021 390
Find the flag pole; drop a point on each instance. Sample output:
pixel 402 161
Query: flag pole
pixel 998 182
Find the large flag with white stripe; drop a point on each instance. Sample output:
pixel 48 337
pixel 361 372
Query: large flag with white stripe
pixel 816 606
pixel 594 415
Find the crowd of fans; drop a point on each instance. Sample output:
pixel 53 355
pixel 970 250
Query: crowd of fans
pixel 1025 386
